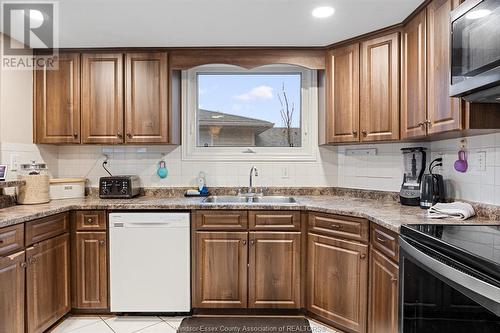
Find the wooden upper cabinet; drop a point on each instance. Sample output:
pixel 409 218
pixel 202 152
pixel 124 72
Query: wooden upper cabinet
pixel 12 281
pixel 444 113
pixel 91 270
pixel 414 78
pixel 274 270
pixel 146 93
pixel 342 115
pixel 102 98
pixel 383 313
pixel 379 88
pixel 220 270
pixel 47 283
pixel 338 281
pixel 57 101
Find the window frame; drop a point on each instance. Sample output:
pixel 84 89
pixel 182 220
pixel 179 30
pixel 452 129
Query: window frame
pixel 309 114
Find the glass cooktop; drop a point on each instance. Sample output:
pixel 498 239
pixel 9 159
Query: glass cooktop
pixel 475 245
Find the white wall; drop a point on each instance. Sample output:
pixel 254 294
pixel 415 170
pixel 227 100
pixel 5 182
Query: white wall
pixel 16 121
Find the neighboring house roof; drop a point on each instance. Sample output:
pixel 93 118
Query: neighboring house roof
pixel 213 118
pixel 277 137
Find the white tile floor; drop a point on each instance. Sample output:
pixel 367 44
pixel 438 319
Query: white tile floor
pixel 131 324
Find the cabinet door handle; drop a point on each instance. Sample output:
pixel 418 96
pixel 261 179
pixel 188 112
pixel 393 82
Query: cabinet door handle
pixel 119 135
pixel 362 256
pixel 244 242
pixel 421 124
pixel 23 265
pixel 75 135
pixel 365 133
pixel 394 280
pixel 129 135
pixel 252 242
pixel 102 243
pixel 355 133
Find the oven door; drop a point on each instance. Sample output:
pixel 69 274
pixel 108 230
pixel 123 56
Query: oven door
pixel 475 47
pixel 438 298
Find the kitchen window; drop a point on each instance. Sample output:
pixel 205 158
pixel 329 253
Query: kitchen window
pixel 232 113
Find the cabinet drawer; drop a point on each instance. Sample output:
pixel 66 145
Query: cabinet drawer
pixel 274 220
pixel 337 225
pixel 90 220
pixel 221 220
pixel 47 227
pixel 385 241
pixel 11 239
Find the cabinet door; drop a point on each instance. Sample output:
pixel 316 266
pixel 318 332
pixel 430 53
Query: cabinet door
pixel 91 272
pixel 47 283
pixel 274 270
pixel 444 113
pixel 383 317
pixel 146 91
pixel 220 270
pixel 102 98
pixel 379 88
pixel 57 101
pixel 342 114
pixel 338 281
pixel 414 78
pixel 12 275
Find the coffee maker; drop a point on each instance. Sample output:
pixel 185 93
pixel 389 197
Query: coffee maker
pixel 414 167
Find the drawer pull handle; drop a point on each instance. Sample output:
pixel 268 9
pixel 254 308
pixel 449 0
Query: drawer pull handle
pixel 90 221
pixel 362 256
pixel 381 240
pixel 336 226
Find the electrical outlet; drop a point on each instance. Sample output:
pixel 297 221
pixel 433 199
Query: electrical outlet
pixel 14 162
pixel 285 173
pixel 481 161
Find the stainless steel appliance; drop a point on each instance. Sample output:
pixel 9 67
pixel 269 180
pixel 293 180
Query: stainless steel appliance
pixel 475 51
pixel 414 166
pixel 449 279
pixel 432 186
pixel 116 187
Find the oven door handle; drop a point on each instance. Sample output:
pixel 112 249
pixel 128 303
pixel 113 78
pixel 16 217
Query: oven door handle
pixel 480 291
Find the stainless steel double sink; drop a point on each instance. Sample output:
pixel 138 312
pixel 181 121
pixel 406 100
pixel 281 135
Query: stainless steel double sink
pixel 270 199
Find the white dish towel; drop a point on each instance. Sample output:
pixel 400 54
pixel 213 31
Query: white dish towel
pixel 456 210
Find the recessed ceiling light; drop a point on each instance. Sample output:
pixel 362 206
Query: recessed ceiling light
pixel 322 12
pixel 476 14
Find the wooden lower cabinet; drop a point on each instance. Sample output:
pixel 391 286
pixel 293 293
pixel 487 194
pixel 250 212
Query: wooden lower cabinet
pixel 383 315
pixel 220 269
pixel 274 270
pixel 12 281
pixel 47 283
pixel 338 281
pixel 90 279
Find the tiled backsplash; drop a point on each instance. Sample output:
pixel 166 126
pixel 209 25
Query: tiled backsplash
pixel 86 161
pixel 340 166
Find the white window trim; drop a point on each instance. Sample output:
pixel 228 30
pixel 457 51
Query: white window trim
pixel 309 120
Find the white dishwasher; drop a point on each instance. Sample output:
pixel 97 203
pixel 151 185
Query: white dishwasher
pixel 149 262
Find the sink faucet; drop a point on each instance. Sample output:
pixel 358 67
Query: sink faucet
pixel 253 171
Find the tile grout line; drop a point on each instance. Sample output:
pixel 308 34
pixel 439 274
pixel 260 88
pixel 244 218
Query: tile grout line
pixel 105 323
pixel 160 320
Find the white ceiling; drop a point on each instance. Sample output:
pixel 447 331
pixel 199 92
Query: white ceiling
pixel 170 23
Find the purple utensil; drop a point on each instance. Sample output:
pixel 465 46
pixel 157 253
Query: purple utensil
pixel 461 164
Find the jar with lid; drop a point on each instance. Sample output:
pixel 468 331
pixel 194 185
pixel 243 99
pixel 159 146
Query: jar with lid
pixel 36 188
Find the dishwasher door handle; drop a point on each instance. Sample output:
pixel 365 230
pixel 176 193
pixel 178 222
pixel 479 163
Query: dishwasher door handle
pixel 143 224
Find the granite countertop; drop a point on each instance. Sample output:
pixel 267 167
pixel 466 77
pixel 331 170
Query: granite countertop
pixel 386 213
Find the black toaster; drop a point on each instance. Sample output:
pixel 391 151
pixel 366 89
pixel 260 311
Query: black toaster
pixel 119 187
